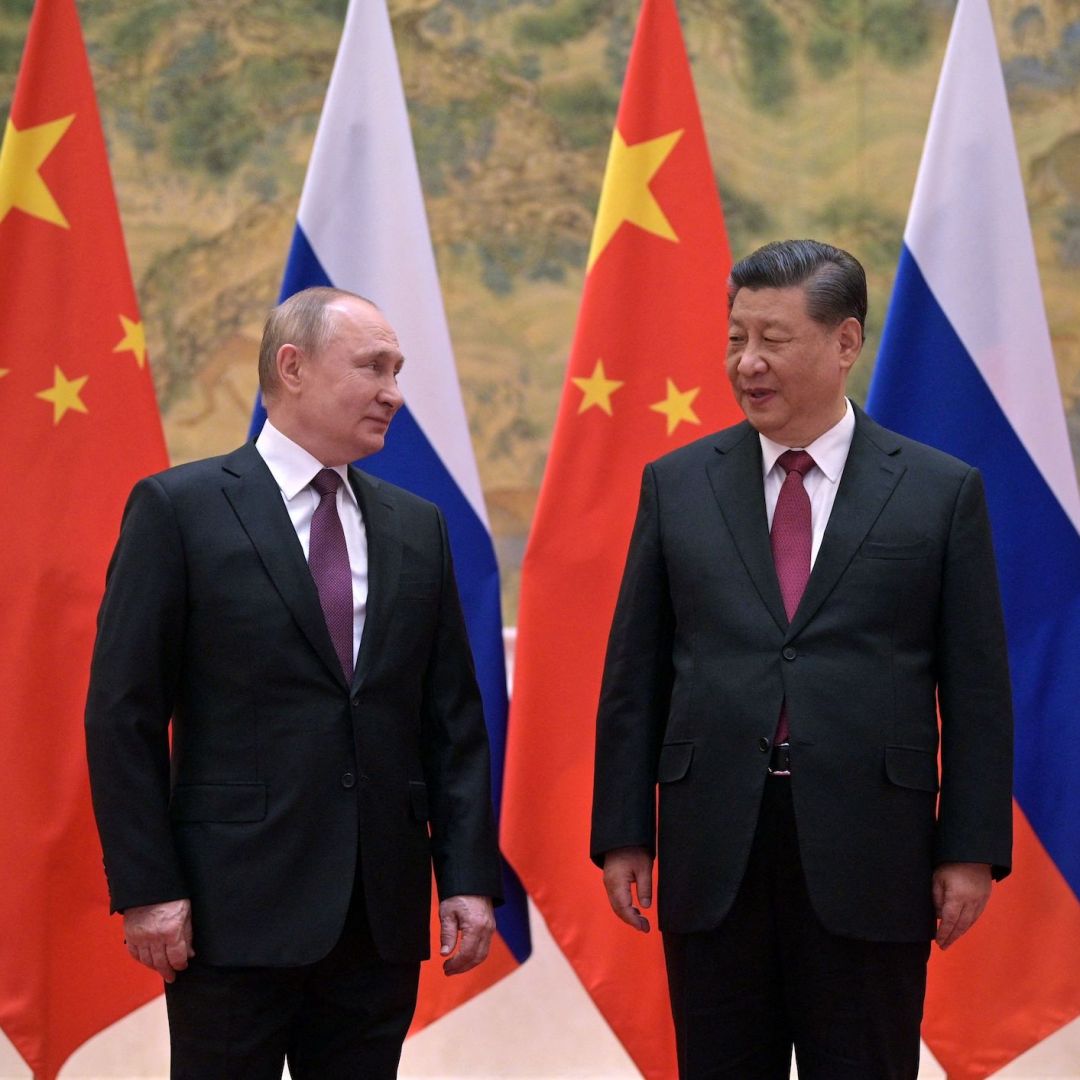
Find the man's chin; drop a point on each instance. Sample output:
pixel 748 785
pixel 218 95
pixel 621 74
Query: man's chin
pixel 370 444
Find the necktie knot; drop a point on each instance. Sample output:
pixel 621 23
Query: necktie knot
pixel 326 482
pixel 796 461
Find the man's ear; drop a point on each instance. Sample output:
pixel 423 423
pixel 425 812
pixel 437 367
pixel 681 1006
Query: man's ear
pixel 289 362
pixel 849 340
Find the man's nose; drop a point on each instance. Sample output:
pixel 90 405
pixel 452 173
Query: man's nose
pixel 390 393
pixel 750 361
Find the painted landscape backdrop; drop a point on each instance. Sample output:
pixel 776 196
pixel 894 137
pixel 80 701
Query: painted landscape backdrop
pixel 815 112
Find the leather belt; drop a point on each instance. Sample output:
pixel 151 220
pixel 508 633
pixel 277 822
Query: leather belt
pixel 780 760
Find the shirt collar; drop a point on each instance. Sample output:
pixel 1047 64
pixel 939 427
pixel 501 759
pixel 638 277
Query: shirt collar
pixel 292 467
pixel 829 450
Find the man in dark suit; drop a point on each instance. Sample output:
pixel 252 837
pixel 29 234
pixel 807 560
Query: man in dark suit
pixel 803 591
pixel 299 623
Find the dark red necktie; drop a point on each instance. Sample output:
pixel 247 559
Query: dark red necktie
pixel 328 559
pixel 791 538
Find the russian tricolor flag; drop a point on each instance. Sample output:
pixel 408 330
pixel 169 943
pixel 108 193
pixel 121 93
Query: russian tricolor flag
pixel 362 226
pixel 966 365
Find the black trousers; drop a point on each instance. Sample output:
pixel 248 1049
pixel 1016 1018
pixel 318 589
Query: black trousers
pixel 342 1018
pixel 771 978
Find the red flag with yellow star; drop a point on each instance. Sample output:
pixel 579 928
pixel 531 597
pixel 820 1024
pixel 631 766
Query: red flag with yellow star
pixel 78 425
pixel 646 375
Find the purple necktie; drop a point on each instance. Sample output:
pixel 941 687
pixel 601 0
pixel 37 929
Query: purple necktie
pixel 328 559
pixel 791 539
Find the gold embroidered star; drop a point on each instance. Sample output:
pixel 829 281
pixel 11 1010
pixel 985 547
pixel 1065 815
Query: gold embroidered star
pixel 134 340
pixel 678 406
pixel 626 196
pixel 21 157
pixel 597 389
pixel 64 394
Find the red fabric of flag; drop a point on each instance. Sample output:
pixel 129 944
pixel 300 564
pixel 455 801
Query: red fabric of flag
pixel 646 375
pixel 78 425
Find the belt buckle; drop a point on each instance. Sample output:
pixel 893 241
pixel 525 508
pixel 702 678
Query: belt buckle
pixel 780 760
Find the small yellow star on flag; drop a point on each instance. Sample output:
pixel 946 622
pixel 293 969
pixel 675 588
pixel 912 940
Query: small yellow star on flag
pixel 678 406
pixel 625 195
pixel 597 389
pixel 21 157
pixel 134 340
pixel 64 394
pixel 4 371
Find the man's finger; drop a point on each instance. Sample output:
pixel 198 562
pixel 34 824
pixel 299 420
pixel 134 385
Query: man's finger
pixel 448 933
pixel 176 954
pixel 644 890
pixel 472 949
pixel 161 962
pixel 622 905
pixel 947 926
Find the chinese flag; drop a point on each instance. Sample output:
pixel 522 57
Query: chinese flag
pixel 78 425
pixel 646 375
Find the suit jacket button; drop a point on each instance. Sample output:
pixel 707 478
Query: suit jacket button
pixel 763 744
pixel 789 653
pixel 348 780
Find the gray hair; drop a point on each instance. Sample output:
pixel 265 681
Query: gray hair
pixel 301 320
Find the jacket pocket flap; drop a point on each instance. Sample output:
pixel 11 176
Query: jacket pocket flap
pixel 877 549
pixel 218 802
pixel 674 761
pixel 911 767
pixel 418 799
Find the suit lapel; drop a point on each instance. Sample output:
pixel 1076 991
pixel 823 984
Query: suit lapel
pixel 256 500
pixel 384 564
pixel 735 475
pixel 870 477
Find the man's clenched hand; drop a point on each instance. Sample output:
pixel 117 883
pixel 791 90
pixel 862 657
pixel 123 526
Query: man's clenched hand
pixel 159 936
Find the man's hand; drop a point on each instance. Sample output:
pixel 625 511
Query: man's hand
pixel 159 936
pixel 623 868
pixel 961 891
pixel 466 922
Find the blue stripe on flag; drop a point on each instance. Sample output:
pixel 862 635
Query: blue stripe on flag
pixel 927 387
pixel 409 460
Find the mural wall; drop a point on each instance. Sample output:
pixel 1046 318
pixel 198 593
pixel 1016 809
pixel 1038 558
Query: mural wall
pixel 815 112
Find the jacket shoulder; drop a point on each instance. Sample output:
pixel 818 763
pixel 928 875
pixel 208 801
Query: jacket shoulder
pixel 393 495
pixel 703 449
pixel 914 454
pixel 190 477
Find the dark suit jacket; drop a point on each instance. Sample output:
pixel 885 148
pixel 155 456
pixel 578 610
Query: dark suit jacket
pixel 280 773
pixel 901 613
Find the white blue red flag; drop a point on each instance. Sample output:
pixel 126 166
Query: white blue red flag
pixel 362 226
pixel 966 365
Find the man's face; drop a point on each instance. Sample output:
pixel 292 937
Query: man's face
pixel 788 371
pixel 344 396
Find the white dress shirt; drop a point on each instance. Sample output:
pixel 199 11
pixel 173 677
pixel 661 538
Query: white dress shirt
pixel 294 468
pixel 830 452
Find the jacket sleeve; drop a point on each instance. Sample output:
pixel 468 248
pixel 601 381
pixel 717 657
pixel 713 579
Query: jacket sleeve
pixel 974 695
pixel 132 690
pixel 457 763
pixel 636 691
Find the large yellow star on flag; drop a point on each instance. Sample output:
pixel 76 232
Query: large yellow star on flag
pixel 21 157
pixel 134 340
pixel 626 196
pixel 597 389
pixel 678 406
pixel 64 394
